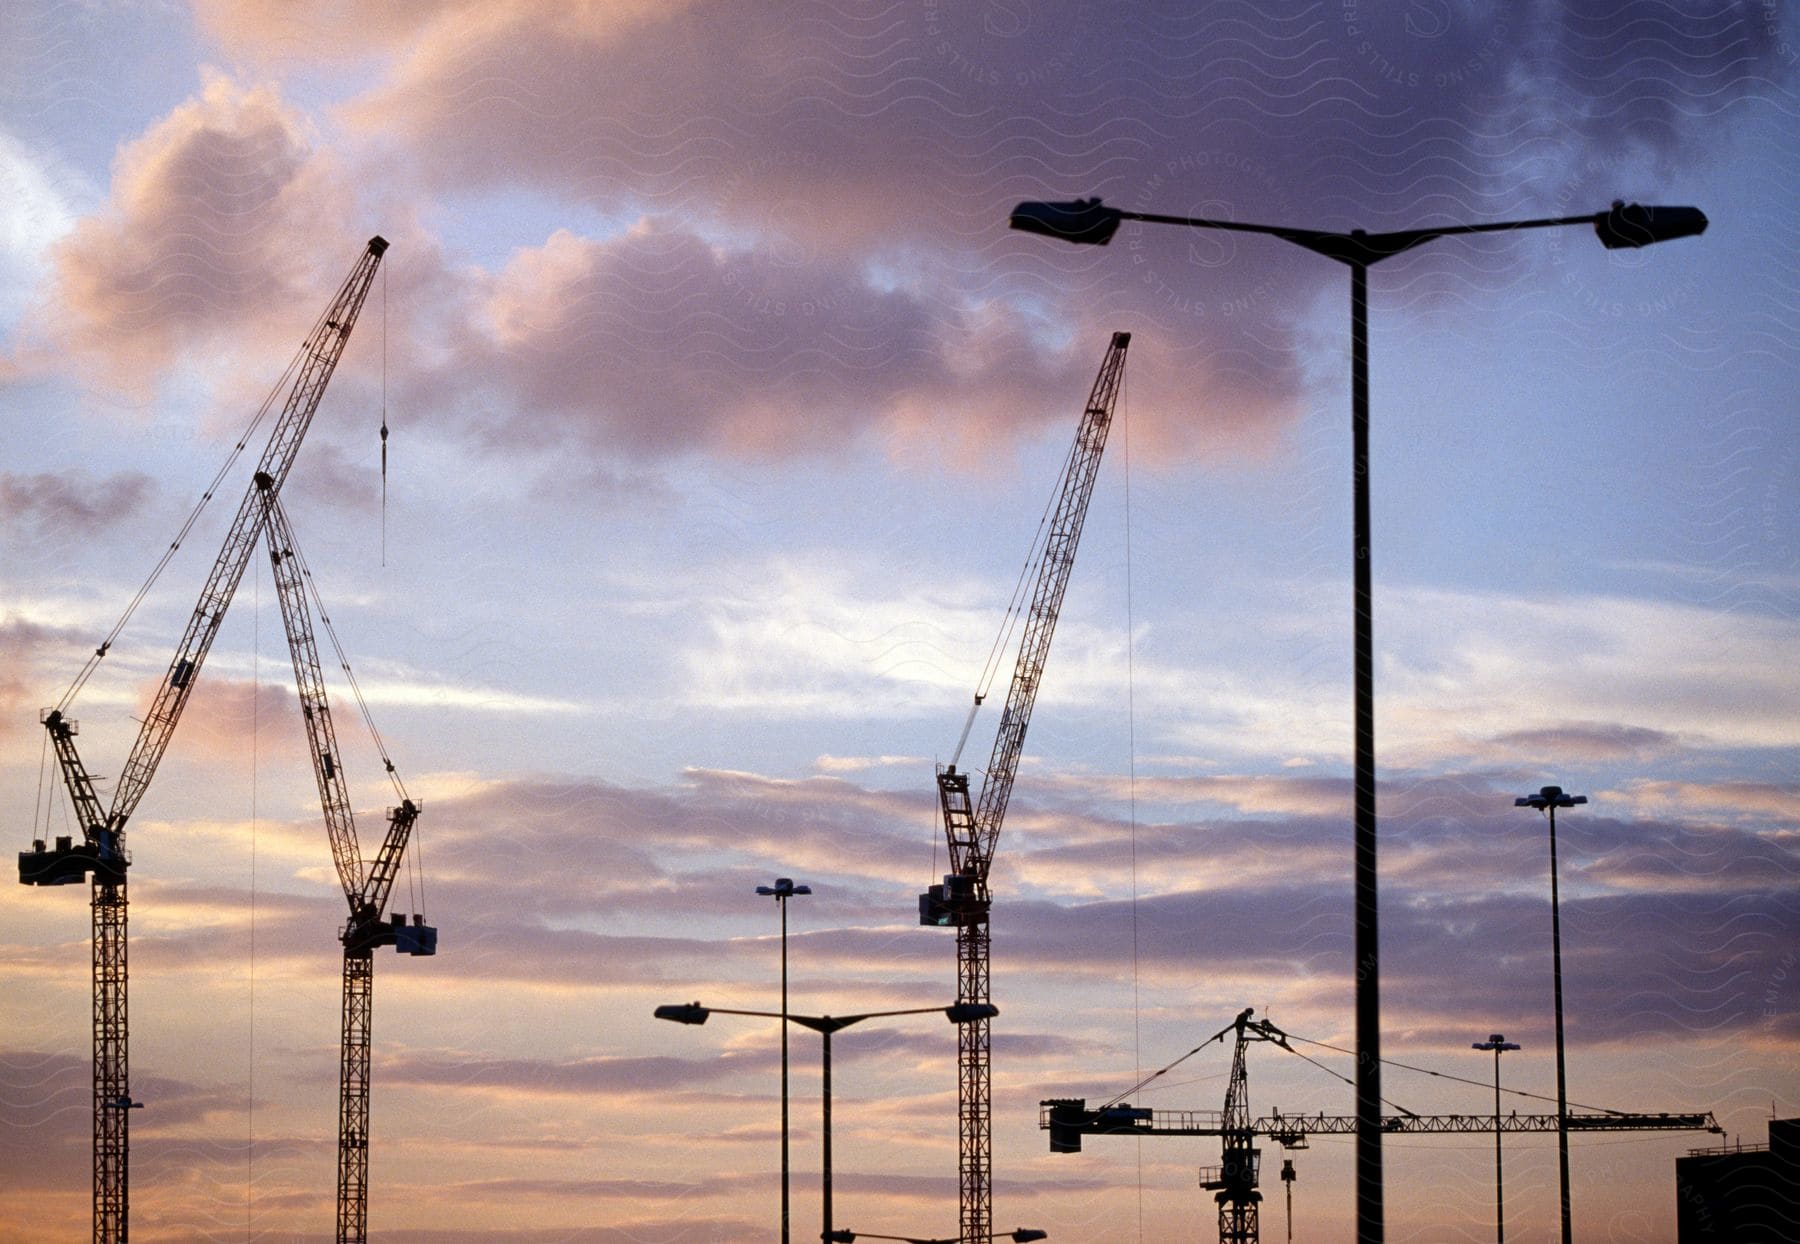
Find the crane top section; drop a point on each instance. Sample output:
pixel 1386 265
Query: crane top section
pixel 104 833
pixel 972 825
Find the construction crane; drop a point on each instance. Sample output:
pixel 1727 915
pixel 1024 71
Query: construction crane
pixel 972 829
pixel 101 855
pixel 1235 1180
pixel 366 890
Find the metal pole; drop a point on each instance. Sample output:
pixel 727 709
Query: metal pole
pixel 1499 1196
pixel 1562 1093
pixel 1369 1216
pixel 825 1182
pixel 781 902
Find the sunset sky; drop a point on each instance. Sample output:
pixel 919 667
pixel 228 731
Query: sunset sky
pixel 723 409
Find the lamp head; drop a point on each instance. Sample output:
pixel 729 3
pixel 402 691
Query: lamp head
pixel 684 1013
pixel 1029 1233
pixel 969 1012
pixel 784 887
pixel 1627 226
pixel 1549 797
pixel 1084 221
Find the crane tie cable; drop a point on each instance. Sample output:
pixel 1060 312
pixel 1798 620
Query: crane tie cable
pixel 237 450
pixel 1484 1085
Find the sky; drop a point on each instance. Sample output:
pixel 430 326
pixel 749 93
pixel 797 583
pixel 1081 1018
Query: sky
pixel 723 407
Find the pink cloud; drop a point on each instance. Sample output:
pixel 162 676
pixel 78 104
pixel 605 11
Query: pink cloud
pixel 223 713
pixel 219 224
pixel 21 687
pixel 273 32
pixel 657 342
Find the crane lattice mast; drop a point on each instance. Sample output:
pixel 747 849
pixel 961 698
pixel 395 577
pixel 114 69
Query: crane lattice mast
pixel 1235 1181
pixel 366 893
pixel 101 855
pixel 972 828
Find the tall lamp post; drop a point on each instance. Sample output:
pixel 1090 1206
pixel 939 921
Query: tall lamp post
pixel 783 889
pixel 825 1025
pixel 1623 225
pixel 1547 801
pixel 1499 1044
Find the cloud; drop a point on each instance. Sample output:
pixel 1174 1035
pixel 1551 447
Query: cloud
pixel 814 148
pixel 1756 802
pixel 71 505
pixel 1586 742
pixel 21 642
pixel 276 33
pixel 38 210
pixel 1472 666
pixel 655 342
pixel 858 764
pixel 214 231
pixel 610 1075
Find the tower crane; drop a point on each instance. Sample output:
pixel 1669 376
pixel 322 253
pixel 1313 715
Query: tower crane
pixel 366 891
pixel 972 828
pixel 1235 1180
pixel 101 855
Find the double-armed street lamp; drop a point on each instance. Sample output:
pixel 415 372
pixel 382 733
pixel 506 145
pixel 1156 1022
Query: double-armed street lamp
pixel 783 889
pixel 825 1025
pixel 1019 1235
pixel 1499 1044
pixel 1622 226
pixel 1548 800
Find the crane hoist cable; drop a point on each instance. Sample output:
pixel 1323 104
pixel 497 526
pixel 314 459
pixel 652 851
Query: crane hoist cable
pixel 384 425
pixel 1484 1085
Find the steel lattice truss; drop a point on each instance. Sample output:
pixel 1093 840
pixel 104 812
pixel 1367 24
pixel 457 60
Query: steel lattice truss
pixel 102 854
pixel 972 828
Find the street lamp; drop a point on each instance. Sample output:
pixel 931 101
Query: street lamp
pixel 1548 800
pixel 1020 1235
pixel 783 889
pixel 1622 226
pixel 1499 1044
pixel 825 1025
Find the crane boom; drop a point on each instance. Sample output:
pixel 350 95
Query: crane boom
pixel 1068 1119
pixel 315 708
pixel 367 894
pixel 972 829
pixel 102 854
pixel 319 359
pixel 1234 1181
